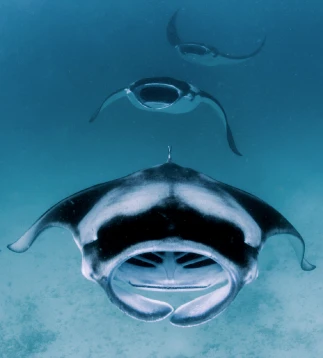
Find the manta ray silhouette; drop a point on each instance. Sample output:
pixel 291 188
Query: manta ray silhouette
pixel 168 95
pixel 201 53
pixel 167 228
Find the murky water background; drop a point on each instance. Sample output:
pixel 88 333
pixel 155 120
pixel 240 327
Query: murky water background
pixel 58 61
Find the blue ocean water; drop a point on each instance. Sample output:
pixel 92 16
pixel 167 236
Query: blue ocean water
pixel 58 61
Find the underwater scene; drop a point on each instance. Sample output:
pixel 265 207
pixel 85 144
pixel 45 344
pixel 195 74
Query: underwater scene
pixel 161 179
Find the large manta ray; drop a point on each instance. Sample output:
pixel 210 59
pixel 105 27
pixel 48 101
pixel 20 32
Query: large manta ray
pixel 201 53
pixel 168 95
pixel 167 228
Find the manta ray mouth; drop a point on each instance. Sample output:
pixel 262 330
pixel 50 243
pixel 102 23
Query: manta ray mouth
pixel 193 49
pixel 157 105
pixel 169 267
pixel 171 271
pixel 158 96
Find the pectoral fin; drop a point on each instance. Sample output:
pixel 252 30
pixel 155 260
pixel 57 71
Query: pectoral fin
pixel 206 98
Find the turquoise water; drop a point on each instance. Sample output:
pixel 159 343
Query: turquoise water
pixel 58 61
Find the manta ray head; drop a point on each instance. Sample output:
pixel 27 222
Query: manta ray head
pixel 172 247
pixel 157 95
pixel 167 229
pixel 198 53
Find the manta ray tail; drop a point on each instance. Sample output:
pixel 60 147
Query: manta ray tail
pixel 206 98
pixel 172 35
pixel 110 99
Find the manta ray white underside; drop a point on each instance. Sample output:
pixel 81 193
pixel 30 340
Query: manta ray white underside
pixel 167 228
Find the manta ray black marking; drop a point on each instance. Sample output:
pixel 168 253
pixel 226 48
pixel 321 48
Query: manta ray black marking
pixel 168 95
pixel 168 228
pixel 201 53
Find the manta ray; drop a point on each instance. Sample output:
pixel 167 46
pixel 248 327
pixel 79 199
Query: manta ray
pixel 168 95
pixel 168 228
pixel 203 54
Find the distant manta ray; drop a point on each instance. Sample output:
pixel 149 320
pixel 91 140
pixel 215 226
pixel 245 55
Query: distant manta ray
pixel 168 95
pixel 167 228
pixel 201 53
